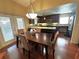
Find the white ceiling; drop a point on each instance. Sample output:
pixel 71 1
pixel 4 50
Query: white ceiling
pixel 24 2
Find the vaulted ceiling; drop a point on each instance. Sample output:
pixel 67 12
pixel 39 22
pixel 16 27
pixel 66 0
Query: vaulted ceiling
pixel 66 8
pixel 23 2
pixel 58 9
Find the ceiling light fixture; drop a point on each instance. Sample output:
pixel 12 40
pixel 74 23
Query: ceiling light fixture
pixel 32 14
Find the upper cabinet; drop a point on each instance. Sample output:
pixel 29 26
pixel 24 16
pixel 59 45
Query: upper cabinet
pixel 49 18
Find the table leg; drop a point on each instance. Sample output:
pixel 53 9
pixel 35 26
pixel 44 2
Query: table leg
pixel 53 53
pixel 17 41
pixel 46 47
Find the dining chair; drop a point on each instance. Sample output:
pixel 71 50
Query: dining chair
pixel 55 37
pixel 27 47
pixel 51 47
pixel 53 43
pixel 24 45
pixel 19 31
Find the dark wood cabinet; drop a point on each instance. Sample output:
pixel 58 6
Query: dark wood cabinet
pixel 48 18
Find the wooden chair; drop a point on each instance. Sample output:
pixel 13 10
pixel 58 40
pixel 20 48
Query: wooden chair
pixel 55 38
pixel 24 44
pixel 53 43
pixel 19 31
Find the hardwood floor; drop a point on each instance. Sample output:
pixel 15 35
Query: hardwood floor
pixel 63 50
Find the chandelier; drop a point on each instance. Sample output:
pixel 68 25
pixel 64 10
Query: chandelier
pixel 31 14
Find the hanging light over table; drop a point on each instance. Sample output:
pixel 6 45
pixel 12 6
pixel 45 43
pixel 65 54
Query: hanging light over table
pixel 31 15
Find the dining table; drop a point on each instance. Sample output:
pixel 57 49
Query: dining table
pixel 43 39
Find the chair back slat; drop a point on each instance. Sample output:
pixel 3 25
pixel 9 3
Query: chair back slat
pixel 55 38
pixel 20 31
pixel 24 42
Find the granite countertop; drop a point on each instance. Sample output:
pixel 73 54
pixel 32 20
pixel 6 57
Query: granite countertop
pixel 47 27
pixel 43 27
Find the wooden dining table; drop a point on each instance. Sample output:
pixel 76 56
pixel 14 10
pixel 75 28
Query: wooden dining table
pixel 43 39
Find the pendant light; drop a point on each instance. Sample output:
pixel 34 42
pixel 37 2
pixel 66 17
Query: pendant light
pixel 31 14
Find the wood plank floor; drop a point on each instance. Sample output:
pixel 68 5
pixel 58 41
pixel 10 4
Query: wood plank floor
pixel 63 50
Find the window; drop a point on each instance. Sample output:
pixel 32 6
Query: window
pixel 20 23
pixel 64 20
pixel 6 29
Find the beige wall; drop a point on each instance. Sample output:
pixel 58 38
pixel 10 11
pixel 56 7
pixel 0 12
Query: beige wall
pixel 10 7
pixel 75 34
pixel 1 38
